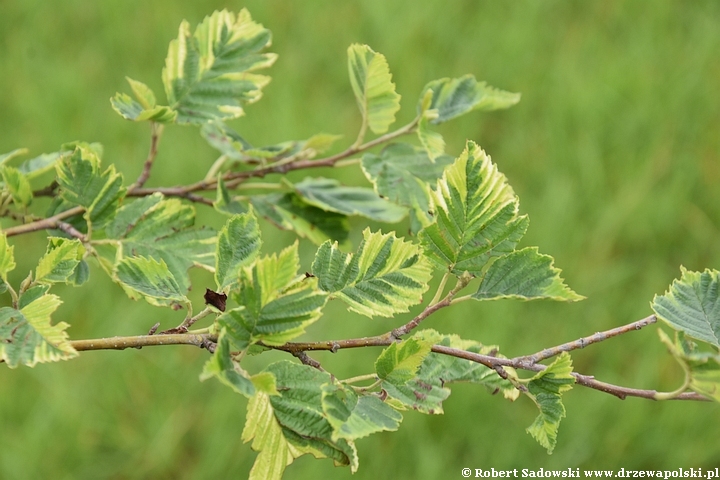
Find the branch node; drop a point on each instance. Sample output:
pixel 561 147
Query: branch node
pixel 209 345
pixel 501 371
pixel 154 328
pixel 305 359
pixel 172 331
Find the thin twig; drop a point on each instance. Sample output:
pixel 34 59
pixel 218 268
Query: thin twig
pixel 432 308
pixel 188 322
pixel 156 130
pixel 72 231
pixel 306 360
pixel 233 179
pixel 48 191
pixel 585 341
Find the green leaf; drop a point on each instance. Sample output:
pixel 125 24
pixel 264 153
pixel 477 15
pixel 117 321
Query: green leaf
pixel 386 275
pixel 524 274
pixel 227 370
pixel 295 148
pixel 372 84
pixel 399 362
pixel 27 336
pixel 129 109
pixel 263 429
pixel 163 229
pixel 226 140
pixel 703 368
pixel 42 163
pixel 403 174
pixel 235 147
pixel 18 152
pixel 439 369
pixel 353 416
pixel 82 184
pixel 546 389
pixel 237 246
pixel 143 93
pixel 452 97
pixel 94 148
pixel 277 305
pixel 418 394
pixel 81 274
pixel 208 74
pixel 144 108
pixel 60 260
pixel 319 143
pixel 329 195
pixel 692 305
pixel 476 214
pixel 32 294
pixel 18 186
pixel 151 279
pixel 432 142
pixel 7 257
pixel 299 410
pixel 292 423
pixel 290 212
pixel 224 203
pixel 426 391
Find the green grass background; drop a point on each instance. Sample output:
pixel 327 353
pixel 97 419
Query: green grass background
pixel 614 151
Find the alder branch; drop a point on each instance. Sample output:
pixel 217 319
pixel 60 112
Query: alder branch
pixel 233 179
pixel 299 349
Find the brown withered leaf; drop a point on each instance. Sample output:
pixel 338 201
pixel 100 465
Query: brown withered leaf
pixel 215 299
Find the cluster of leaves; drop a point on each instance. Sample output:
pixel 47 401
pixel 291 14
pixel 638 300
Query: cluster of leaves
pixel 464 217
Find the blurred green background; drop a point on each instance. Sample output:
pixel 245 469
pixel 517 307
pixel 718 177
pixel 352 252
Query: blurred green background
pixel 614 151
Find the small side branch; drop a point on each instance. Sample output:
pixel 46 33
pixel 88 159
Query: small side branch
pixel 233 179
pixel 72 231
pixel 432 308
pixel 306 360
pixel 156 130
pixel 585 341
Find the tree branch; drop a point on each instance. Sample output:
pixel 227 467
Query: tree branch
pixel 45 223
pixel 139 341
